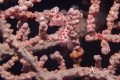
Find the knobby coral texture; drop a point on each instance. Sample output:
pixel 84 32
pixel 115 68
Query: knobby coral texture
pixel 59 40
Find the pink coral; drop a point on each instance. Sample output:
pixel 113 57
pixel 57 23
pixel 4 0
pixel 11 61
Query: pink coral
pixel 18 46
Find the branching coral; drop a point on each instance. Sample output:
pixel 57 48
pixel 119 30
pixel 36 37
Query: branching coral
pixel 19 47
